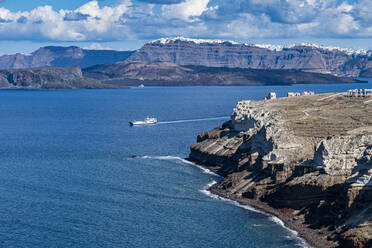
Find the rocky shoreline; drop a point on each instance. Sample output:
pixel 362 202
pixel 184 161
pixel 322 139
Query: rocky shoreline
pixel 311 237
pixel 306 160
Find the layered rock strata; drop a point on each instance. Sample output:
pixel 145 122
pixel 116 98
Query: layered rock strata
pixel 210 53
pixel 308 158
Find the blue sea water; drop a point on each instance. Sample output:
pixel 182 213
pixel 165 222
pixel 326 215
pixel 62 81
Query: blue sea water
pixel 67 178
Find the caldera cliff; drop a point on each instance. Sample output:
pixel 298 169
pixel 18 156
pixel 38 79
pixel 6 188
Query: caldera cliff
pixel 306 159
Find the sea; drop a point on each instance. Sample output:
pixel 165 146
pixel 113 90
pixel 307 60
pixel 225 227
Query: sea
pixel 68 179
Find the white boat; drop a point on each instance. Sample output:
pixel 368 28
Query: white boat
pixel 147 121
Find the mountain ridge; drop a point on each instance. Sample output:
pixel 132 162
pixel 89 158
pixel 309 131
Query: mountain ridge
pixel 272 47
pixel 60 56
pixel 219 53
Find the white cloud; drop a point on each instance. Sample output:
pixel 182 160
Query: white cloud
pixel 97 46
pixel 230 19
pixel 185 10
pixel 47 24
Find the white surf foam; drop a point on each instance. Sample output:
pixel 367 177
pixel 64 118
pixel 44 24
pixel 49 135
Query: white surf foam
pixel 294 234
pixel 208 193
pixel 205 191
pixel 182 160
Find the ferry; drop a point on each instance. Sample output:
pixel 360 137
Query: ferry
pixel 147 121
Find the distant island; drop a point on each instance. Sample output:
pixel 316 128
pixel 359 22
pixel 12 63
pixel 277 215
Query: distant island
pixel 170 74
pixel 49 78
pixel 185 62
pixel 58 56
pixel 306 159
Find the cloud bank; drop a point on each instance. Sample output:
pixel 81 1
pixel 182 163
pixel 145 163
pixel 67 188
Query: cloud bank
pixel 223 19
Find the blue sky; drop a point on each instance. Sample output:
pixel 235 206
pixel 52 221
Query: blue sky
pixel 26 25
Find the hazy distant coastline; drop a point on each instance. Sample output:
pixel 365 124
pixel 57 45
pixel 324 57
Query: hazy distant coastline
pixel 184 62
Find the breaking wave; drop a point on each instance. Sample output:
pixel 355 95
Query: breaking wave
pixel 208 193
pixel 205 191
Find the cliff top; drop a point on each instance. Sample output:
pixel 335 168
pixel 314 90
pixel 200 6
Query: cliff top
pixel 348 51
pixel 321 115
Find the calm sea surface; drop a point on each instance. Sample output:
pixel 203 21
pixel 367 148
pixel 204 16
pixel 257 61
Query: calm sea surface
pixel 67 178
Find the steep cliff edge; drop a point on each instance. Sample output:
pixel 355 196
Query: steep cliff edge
pixel 307 159
pixel 230 54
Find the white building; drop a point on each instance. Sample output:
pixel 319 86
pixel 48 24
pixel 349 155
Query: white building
pixel 291 94
pixel 359 93
pixel 271 95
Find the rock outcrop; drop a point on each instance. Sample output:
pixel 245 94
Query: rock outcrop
pixel 308 158
pixel 170 74
pixel 48 78
pixel 210 53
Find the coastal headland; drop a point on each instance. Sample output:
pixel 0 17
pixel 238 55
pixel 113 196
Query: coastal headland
pixel 306 159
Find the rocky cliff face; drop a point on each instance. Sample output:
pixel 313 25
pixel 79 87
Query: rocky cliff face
pixel 170 74
pixel 48 78
pixel 308 158
pixel 62 57
pixel 305 57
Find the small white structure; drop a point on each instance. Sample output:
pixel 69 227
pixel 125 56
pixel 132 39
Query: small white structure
pixel 308 93
pixel 305 93
pixel 271 95
pixel 291 94
pixel 359 93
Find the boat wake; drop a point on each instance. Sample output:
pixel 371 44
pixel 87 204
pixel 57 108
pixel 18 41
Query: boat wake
pixel 194 120
pixel 182 160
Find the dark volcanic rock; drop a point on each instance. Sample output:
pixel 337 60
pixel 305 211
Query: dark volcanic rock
pixel 311 58
pixel 48 78
pixel 170 74
pixel 62 57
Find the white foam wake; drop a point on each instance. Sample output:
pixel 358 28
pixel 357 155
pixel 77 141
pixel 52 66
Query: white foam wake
pixel 273 218
pixel 182 160
pixel 194 120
